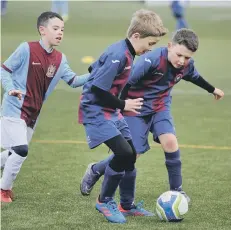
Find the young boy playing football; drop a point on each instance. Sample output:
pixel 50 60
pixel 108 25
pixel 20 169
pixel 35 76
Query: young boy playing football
pixel 28 77
pixel 100 103
pixel 153 77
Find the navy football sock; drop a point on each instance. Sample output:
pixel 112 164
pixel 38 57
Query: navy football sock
pixel 110 184
pixel 100 166
pixel 173 164
pixel 127 189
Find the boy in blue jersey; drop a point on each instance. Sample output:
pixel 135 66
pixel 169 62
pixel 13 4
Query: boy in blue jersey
pixel 152 79
pixel 99 107
pixel 178 13
pixel 28 77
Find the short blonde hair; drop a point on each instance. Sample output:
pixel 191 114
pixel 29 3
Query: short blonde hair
pixel 146 23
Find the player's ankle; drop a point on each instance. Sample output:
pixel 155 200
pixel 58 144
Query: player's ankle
pixel 127 206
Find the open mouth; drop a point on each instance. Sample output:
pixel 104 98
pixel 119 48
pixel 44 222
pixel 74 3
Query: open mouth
pixel 180 66
pixel 59 38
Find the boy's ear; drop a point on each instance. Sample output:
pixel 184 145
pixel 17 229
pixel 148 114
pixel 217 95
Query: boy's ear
pixel 42 30
pixel 170 45
pixel 136 35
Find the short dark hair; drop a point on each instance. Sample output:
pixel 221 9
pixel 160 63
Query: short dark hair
pixel 45 16
pixel 186 37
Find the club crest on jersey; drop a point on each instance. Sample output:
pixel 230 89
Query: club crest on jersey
pixel 51 71
pixel 178 77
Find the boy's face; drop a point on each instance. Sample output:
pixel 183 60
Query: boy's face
pixel 53 32
pixel 143 45
pixel 178 55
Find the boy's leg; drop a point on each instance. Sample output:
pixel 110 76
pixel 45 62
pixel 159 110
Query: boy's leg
pixel 100 167
pixel 128 130
pixel 181 23
pixel 164 133
pixel 138 127
pixel 172 159
pixel 178 13
pixel 14 138
pixel 96 137
pixel 4 156
pixel 127 194
pixel 92 174
pixel 123 160
pixel 107 132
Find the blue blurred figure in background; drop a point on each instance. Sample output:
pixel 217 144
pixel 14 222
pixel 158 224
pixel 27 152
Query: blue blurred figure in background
pixel 60 7
pixel 3 7
pixel 178 12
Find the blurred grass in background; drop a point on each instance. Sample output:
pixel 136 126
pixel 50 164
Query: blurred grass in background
pixel 47 188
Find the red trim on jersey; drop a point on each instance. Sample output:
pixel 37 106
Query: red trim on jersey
pixel 158 104
pixel 80 112
pixel 72 79
pixel 5 68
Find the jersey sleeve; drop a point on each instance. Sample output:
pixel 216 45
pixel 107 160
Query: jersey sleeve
pixel 191 72
pixel 12 64
pixel 110 66
pixel 16 58
pixel 70 77
pixel 142 67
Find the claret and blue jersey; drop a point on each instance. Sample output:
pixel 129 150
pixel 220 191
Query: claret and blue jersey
pixel 35 71
pixel 153 78
pixel 110 73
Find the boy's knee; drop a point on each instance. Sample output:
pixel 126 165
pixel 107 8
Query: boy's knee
pixel 124 160
pixel 169 142
pixel 21 150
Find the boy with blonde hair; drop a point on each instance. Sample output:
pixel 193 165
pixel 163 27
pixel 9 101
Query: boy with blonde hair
pixel 100 103
pixel 153 78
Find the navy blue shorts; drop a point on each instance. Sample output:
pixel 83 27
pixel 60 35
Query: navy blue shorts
pixel 158 123
pixel 98 133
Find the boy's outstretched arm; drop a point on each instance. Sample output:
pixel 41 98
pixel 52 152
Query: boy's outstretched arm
pixel 201 82
pixel 71 78
pixel 194 77
pixel 78 81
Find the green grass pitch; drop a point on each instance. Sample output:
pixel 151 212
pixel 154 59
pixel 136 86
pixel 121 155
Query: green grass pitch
pixel 47 188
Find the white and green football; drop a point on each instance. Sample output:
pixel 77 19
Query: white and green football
pixel 171 206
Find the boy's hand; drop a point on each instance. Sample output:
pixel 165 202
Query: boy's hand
pixel 218 94
pixel 133 105
pixel 16 93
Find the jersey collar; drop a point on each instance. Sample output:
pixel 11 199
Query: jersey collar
pixel 42 44
pixel 130 47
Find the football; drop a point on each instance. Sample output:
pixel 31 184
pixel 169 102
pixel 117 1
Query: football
pixel 171 206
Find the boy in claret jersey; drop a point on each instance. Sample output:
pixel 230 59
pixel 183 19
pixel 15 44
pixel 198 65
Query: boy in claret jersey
pixel 28 77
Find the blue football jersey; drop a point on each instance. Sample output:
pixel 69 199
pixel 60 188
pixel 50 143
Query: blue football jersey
pixel 110 73
pixel 153 78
